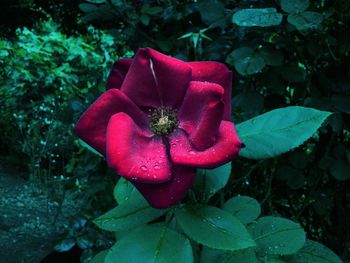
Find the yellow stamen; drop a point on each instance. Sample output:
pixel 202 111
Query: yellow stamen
pixel 163 120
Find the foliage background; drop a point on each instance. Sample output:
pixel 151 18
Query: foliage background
pixel 56 55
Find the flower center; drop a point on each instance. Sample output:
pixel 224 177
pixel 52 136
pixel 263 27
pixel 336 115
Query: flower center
pixel 163 121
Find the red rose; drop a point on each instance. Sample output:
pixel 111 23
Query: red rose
pixel 159 120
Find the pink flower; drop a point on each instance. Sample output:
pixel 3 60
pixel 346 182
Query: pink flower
pixel 159 120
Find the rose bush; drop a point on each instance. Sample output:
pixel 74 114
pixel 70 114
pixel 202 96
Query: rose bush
pixel 159 120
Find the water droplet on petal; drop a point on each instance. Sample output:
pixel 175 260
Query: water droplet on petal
pixel 192 152
pixel 156 167
pixel 144 168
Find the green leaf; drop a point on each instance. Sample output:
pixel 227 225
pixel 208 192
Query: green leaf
pixel 271 57
pixel 187 35
pixel 262 17
pixel 245 208
pixel 128 215
pixel 195 38
pixel 294 6
pixel 314 252
pixel 90 17
pixel 209 182
pixel 210 255
pixel 305 21
pixel 274 259
pixel 278 236
pixel 211 11
pixel 278 131
pixel 246 61
pixel 145 19
pixel 153 10
pixel 340 170
pixel 293 73
pixel 151 244
pixel 87 8
pixel 240 53
pixel 118 3
pixel 124 191
pixel 100 257
pixel 213 227
pixel 96 1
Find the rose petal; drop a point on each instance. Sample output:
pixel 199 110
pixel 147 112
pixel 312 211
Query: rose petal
pixel 169 193
pixel 201 113
pixel 92 125
pixel 155 80
pixel 135 153
pixel 217 73
pixel 224 150
pixel 118 73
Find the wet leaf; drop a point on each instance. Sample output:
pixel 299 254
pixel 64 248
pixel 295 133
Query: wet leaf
pixel 305 21
pixel 313 252
pixel 278 236
pixel 245 208
pixel 151 244
pixel 278 131
pixel 262 17
pixel 210 181
pixel 246 61
pixel 214 227
pixel 294 6
pixel 210 255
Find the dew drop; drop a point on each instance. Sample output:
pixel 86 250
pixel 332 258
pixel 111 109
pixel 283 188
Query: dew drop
pixel 192 152
pixel 173 145
pixel 143 168
pixel 156 167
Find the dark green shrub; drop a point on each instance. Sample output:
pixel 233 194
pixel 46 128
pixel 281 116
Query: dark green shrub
pixel 46 78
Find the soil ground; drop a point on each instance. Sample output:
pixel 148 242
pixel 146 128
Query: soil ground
pixel 30 221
